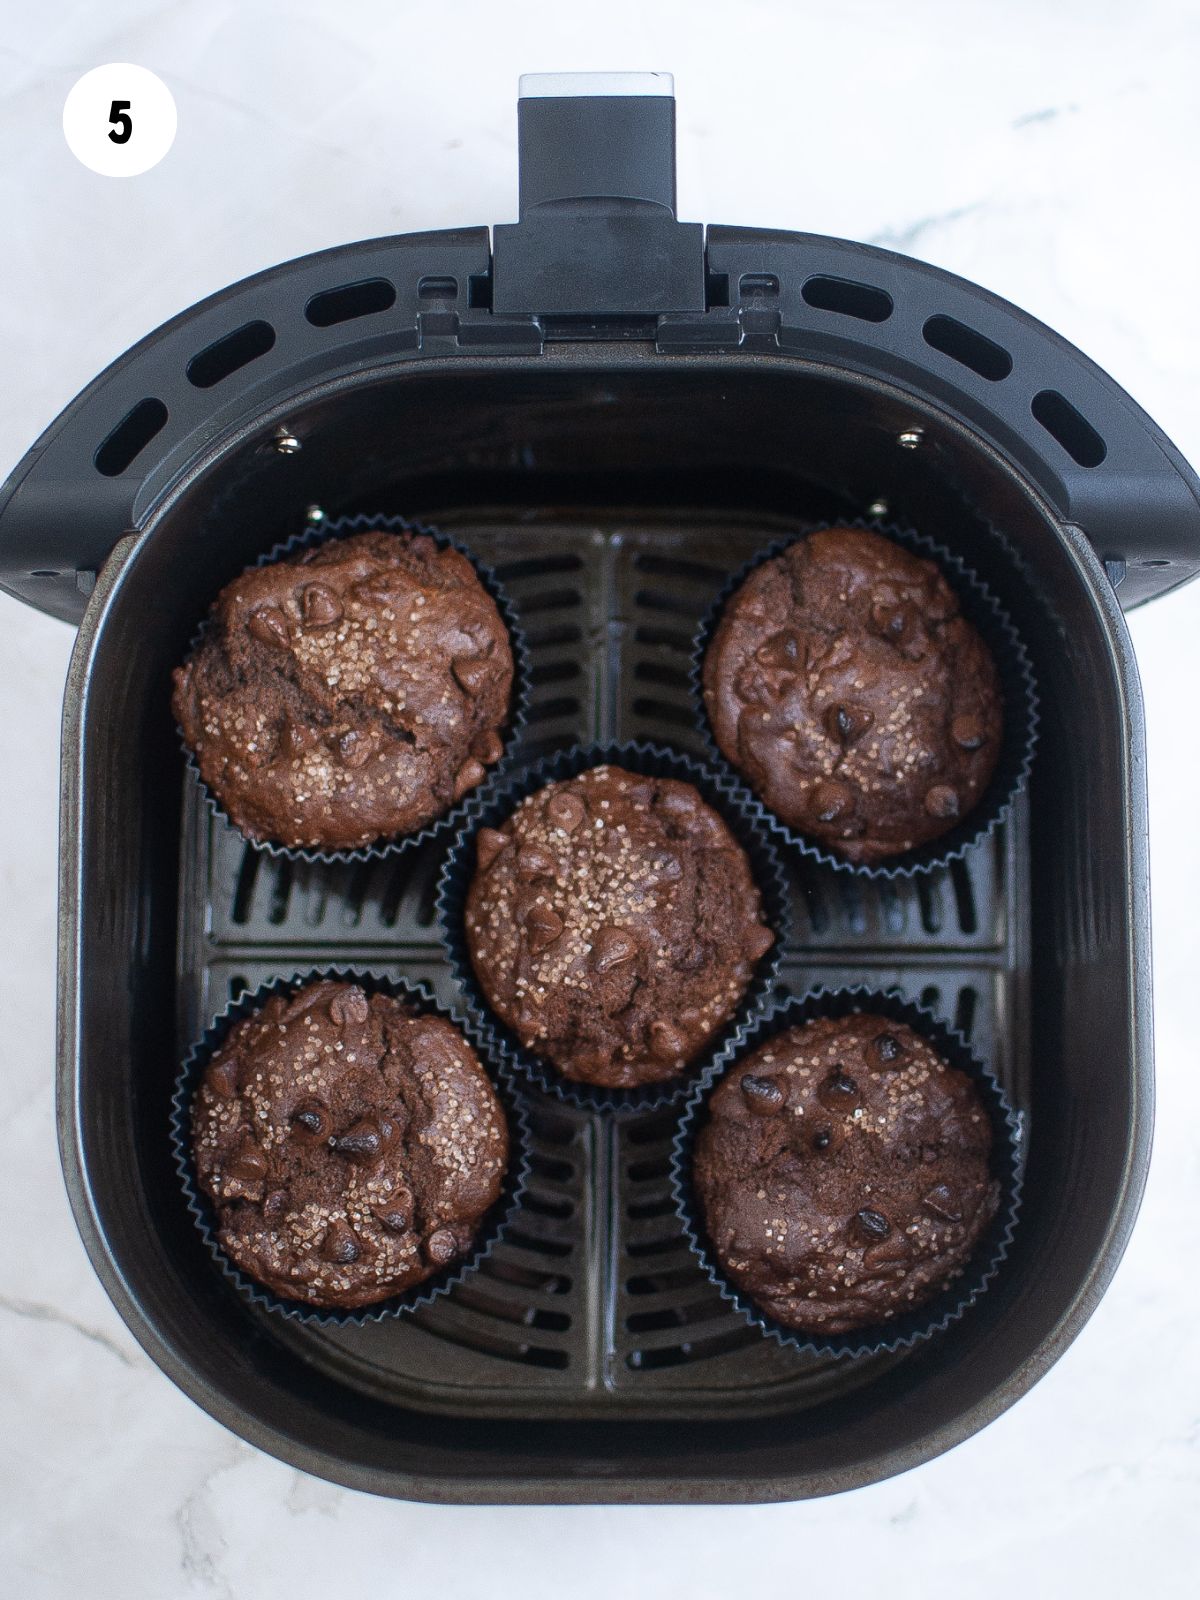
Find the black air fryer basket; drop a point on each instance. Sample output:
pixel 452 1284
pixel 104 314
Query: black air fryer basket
pixel 614 410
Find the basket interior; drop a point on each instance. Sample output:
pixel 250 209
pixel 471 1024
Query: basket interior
pixel 589 1357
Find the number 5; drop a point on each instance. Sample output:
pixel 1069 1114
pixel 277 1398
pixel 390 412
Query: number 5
pixel 119 116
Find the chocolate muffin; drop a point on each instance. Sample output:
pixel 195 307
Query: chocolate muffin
pixel 859 704
pixel 350 1146
pixel 350 693
pixel 613 924
pixel 843 1173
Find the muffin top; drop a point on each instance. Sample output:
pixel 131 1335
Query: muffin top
pixel 350 1146
pixel 614 925
pixel 843 1173
pixel 860 706
pixel 350 693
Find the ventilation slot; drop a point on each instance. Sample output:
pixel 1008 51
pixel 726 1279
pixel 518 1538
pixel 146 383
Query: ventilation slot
pixel 537 567
pixel 716 289
pixel 676 1355
pixel 754 284
pixel 677 567
pixel 228 355
pixel 964 897
pixel 964 1011
pixel 1062 422
pixel 663 711
pixel 659 672
pixel 350 300
pixel 669 638
pixel 848 298
pixel 438 289
pixel 968 348
pixel 130 437
pixel 551 600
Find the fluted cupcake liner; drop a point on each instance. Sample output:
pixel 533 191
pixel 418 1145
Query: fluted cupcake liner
pixel 491 1230
pixel 1017 683
pixel 966 1288
pixel 497 801
pixel 341 528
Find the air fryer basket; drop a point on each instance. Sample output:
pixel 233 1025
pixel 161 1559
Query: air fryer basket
pixel 613 466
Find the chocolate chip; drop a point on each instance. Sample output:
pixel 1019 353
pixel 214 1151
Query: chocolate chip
pixel 275 1204
pixel 354 748
pixel 780 650
pixel 488 845
pixel 886 1047
pixel 488 746
pixel 890 1252
pixel 349 1006
pixel 665 868
pixel 310 1120
pixel 940 1202
pixel 242 1177
pixel 612 947
pixel 295 739
pixel 472 673
pixel 666 1041
pixel 393 1219
pixel 339 1244
pixel 831 801
pixel 319 606
pixel 360 1141
pixel 468 776
pixel 941 801
pixel 249 1162
pixel 763 1096
pixel 396 1212
pixel 822 1139
pixel 441 1247
pixel 847 723
pixel 871 1225
pixel 839 1092
pixel 535 862
pixel 967 731
pixel 890 621
pixel 544 925
pixel 269 626
pixel 565 810
pixel 221 1078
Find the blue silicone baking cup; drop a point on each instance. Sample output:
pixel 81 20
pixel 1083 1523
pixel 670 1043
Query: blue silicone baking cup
pixel 491 1230
pixel 946 1306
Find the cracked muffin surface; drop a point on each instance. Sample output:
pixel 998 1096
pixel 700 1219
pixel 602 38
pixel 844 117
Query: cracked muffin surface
pixel 350 1145
pixel 859 704
pixel 351 693
pixel 614 925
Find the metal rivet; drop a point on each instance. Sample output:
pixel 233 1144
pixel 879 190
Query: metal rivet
pixel 286 443
pixel 314 515
pixel 910 438
pixel 878 508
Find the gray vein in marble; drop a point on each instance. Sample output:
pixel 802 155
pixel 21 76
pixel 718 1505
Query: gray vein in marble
pixel 902 238
pixel 202 1543
pixel 311 1494
pixel 37 1312
pixel 1046 114
pixel 906 1513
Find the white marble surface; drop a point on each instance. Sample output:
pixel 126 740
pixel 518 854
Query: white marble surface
pixel 1047 151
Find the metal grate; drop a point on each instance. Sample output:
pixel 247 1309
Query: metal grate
pixel 593 1299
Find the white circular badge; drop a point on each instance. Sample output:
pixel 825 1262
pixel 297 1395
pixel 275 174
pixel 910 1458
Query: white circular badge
pixel 120 120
